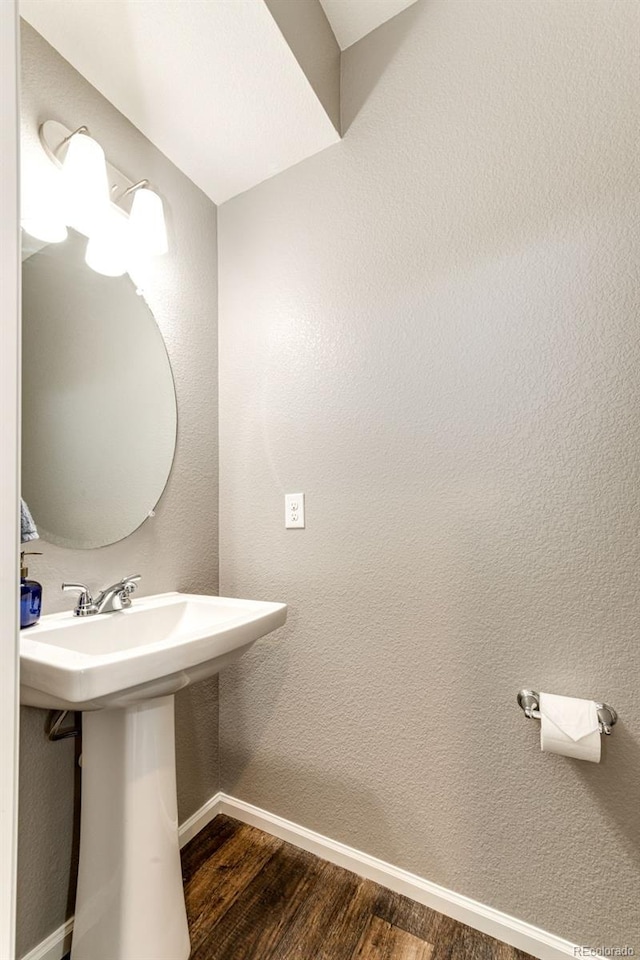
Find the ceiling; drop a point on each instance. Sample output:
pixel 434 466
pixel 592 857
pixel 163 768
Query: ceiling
pixel 352 19
pixel 215 84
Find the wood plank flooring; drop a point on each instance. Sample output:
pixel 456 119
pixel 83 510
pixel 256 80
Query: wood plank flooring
pixel 253 897
pixel 381 940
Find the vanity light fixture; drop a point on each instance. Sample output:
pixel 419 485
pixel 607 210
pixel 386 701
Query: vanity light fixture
pixel 42 213
pixel 87 185
pixel 147 229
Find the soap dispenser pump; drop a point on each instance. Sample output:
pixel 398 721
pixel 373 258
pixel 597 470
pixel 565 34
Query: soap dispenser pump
pixel 30 593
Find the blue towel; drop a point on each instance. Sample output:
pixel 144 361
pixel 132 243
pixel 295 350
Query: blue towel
pixel 28 529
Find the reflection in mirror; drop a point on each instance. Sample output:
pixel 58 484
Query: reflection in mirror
pixel 98 407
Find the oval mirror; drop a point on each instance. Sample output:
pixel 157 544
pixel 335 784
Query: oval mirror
pixel 99 409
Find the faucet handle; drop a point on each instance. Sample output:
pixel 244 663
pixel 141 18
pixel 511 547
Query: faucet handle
pixel 85 604
pixel 129 585
pixel 82 587
pixel 133 580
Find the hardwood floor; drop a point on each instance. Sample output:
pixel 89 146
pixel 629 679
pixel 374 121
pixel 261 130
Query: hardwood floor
pixel 253 897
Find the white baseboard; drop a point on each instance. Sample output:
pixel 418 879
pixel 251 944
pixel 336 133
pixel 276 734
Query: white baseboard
pixel 199 820
pixel 503 927
pixel 517 933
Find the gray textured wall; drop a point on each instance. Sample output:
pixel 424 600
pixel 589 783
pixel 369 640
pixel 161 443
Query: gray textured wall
pixel 430 330
pixel 177 550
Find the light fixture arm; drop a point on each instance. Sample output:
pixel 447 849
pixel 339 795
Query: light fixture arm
pixel 83 129
pixel 130 190
pixel 136 186
pixel 52 142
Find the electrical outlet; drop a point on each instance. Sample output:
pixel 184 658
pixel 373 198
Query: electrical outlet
pixel 294 510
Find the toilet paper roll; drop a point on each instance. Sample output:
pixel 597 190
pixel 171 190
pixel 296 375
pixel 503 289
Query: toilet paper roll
pixel 569 727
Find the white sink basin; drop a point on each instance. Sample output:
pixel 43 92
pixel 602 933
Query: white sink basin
pixel 123 669
pixel 155 648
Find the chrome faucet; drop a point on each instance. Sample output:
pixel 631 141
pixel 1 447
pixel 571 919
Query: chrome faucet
pixel 115 597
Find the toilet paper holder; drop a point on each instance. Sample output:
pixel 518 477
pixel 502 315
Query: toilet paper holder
pixel 529 701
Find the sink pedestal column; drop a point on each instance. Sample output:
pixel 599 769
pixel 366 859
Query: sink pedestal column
pixel 130 901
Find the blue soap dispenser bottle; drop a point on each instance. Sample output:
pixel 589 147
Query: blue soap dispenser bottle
pixel 30 594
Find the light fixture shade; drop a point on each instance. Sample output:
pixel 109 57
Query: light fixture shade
pixel 43 226
pixel 42 213
pixel 148 231
pixel 85 183
pixel 108 246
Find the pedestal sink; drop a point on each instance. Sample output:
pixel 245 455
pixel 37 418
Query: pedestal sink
pixel 123 669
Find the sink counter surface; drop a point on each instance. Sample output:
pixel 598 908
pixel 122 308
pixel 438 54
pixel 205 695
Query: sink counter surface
pixel 156 647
